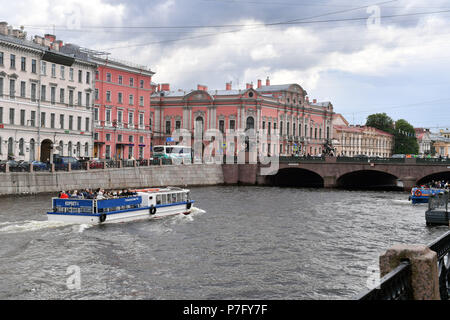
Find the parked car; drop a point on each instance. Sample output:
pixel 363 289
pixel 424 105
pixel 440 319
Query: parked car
pixel 96 164
pixel 61 163
pixel 40 166
pixel 13 165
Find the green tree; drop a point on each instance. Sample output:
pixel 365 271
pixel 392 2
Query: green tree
pixel 380 121
pixel 405 141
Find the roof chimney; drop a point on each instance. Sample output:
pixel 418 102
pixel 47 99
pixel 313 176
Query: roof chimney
pixel 228 86
pixel 50 37
pixel 267 81
pixel 259 83
pixel 202 87
pixel 165 87
pixel 249 85
pixel 4 28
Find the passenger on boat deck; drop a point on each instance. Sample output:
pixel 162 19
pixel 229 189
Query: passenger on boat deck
pixel 63 195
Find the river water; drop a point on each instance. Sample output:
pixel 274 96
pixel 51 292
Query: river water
pixel 240 243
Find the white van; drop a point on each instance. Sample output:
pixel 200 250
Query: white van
pixel 178 154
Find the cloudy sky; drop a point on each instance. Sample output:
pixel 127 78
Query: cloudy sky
pixel 365 56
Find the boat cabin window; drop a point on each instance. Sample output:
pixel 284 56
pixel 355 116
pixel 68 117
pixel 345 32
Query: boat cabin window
pixel 174 197
pixel 164 199
pixel 179 197
pixel 158 199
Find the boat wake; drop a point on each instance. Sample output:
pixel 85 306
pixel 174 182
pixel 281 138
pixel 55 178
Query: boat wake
pixel 401 202
pixel 30 225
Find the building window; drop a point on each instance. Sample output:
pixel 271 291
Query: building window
pixel 222 126
pixel 168 131
pixel 177 124
pixel 80 76
pixel 12 88
pixel 1 58
pixel 141 101
pixel 43 91
pixel 62 72
pixel 33 66
pixel 86 149
pixel 96 94
pixel 80 98
pixel 61 95
pixel 61 121
pixel 53 95
pixel 23 64
pixel 119 117
pixel 108 137
pixel 131 82
pixel 141 120
pixel 79 123
pixel 88 77
pixel 12 61
pixel 108 152
pixel 43 68
pixel 95 114
pixel 119 138
pixel 21 145
pixel 70 122
pixel 22 117
pixel 71 74
pixel 1 87
pixel 108 116
pixel 232 125
pixel 87 124
pixel 108 77
pixel 69 149
pixel 53 70
pixel 120 79
pixel 108 96
pixel 131 100
pixel 88 98
pixel 33 118
pixel 23 89
pixel 33 92
pixel 120 97
pixel 141 84
pixel 130 120
pixel 52 120
pixel 42 119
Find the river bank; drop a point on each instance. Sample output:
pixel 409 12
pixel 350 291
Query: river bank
pixel 19 183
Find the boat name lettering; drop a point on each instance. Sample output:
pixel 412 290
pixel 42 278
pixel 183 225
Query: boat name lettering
pixel 71 203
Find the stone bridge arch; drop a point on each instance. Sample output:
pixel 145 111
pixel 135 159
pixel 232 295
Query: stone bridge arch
pixel 441 175
pixel 294 177
pixel 367 179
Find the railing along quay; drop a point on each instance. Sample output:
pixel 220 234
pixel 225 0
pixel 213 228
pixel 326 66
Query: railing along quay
pixel 398 284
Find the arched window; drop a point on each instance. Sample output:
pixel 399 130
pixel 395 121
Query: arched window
pixel 250 123
pixel 199 127
pixel 61 148
pixel 21 149
pixel 86 149
pixel 32 147
pixel 78 149
pixel 10 147
pixel 69 149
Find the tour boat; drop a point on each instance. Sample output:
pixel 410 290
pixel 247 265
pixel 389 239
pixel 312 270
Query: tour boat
pixel 421 195
pixel 145 204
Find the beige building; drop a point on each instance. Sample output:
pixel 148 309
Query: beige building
pixel 46 98
pixel 352 141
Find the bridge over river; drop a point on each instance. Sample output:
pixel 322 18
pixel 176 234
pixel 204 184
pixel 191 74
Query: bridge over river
pixel 345 172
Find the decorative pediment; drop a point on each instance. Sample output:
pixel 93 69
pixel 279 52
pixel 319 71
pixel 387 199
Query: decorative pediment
pixel 221 117
pixel 198 95
pixel 251 112
pixel 13 76
pixel 3 74
pixel 199 113
pixel 232 117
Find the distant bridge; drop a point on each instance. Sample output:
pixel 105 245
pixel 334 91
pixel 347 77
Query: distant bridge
pixel 346 172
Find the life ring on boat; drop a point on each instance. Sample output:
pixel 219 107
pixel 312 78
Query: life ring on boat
pixel 152 210
pixel 418 193
pixel 189 205
pixel 102 217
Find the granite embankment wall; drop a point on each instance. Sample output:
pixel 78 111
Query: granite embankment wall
pixel 135 177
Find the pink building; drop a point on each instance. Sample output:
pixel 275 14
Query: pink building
pixel 123 115
pixel 304 126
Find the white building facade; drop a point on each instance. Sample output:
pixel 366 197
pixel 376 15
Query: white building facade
pixel 46 99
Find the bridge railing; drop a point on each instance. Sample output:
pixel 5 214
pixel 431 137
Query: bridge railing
pixel 397 284
pixel 433 160
pixel 438 201
pixel 284 159
pixel 370 160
